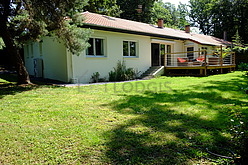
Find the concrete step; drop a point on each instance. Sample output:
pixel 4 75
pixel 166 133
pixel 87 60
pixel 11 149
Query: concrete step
pixel 152 72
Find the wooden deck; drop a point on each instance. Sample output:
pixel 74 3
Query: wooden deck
pixel 202 70
pixel 212 62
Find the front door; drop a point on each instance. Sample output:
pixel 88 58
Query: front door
pixel 155 55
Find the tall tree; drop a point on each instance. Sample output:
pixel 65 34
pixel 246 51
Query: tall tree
pixel 136 10
pixel 160 11
pixel 183 15
pixel 231 16
pixel 173 17
pixel 25 20
pixel 107 7
pixel 218 16
pixel 201 14
pixel 224 19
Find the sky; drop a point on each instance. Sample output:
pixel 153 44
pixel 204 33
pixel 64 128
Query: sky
pixel 176 2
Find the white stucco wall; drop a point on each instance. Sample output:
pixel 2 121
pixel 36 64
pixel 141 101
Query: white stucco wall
pixel 54 58
pixel 84 66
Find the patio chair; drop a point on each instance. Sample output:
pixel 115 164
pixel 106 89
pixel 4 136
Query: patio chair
pixel 199 61
pixel 182 61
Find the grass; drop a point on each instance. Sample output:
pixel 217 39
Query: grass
pixel 167 120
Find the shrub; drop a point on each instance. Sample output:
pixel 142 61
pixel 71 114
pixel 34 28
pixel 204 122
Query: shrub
pixel 122 73
pixel 243 66
pixel 95 77
pixel 239 132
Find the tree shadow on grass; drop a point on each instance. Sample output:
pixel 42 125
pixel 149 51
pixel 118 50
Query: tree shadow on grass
pixel 11 88
pixel 161 134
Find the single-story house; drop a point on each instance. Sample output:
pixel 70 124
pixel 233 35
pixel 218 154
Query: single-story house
pixel 140 45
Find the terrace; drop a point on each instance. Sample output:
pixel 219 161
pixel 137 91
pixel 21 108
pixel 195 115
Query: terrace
pixel 199 63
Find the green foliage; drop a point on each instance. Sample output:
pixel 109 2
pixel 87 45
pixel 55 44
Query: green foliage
pixel 239 132
pixel 129 10
pixel 31 20
pixel 201 13
pixel 216 16
pixel 159 11
pixel 173 17
pixel 243 66
pixel 95 77
pixel 75 38
pixel 122 73
pixel 106 7
pixel 2 45
pixel 239 46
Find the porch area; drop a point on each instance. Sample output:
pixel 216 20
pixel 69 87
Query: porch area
pixel 199 63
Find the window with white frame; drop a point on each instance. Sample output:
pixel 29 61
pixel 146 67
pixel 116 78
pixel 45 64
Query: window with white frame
pixel 129 49
pixel 96 47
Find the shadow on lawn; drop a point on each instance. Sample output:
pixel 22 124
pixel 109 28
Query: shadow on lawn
pixel 12 88
pixel 161 135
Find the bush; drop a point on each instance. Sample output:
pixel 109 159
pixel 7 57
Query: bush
pixel 239 132
pixel 243 66
pixel 122 73
pixel 95 77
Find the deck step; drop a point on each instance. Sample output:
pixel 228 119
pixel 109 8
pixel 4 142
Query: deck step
pixel 153 72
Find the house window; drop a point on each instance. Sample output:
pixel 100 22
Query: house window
pixel 129 48
pixel 96 47
pixel 190 53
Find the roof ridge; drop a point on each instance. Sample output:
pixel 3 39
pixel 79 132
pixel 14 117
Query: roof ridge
pixel 134 27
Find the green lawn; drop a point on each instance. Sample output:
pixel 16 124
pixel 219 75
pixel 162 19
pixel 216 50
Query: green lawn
pixel 167 120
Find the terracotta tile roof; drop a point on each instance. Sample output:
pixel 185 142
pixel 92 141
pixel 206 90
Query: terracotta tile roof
pixel 97 20
pixel 208 40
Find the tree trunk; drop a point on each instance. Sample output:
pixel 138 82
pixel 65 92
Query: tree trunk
pixel 22 74
pixel 14 52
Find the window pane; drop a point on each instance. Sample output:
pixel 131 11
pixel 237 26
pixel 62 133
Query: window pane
pixel 99 47
pixel 125 48
pixel 190 54
pixel 132 49
pixel 168 48
pixel 90 50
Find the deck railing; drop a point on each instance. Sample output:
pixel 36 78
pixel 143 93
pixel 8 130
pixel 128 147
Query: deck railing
pixel 199 58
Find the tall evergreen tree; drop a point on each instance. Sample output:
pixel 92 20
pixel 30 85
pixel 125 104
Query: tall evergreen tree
pixel 25 20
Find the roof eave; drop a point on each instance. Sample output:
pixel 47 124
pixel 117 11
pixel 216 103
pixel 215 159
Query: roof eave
pixel 112 29
pixel 209 44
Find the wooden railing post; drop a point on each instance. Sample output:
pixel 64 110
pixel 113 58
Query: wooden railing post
pixel 233 58
pixel 221 53
pixel 205 63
